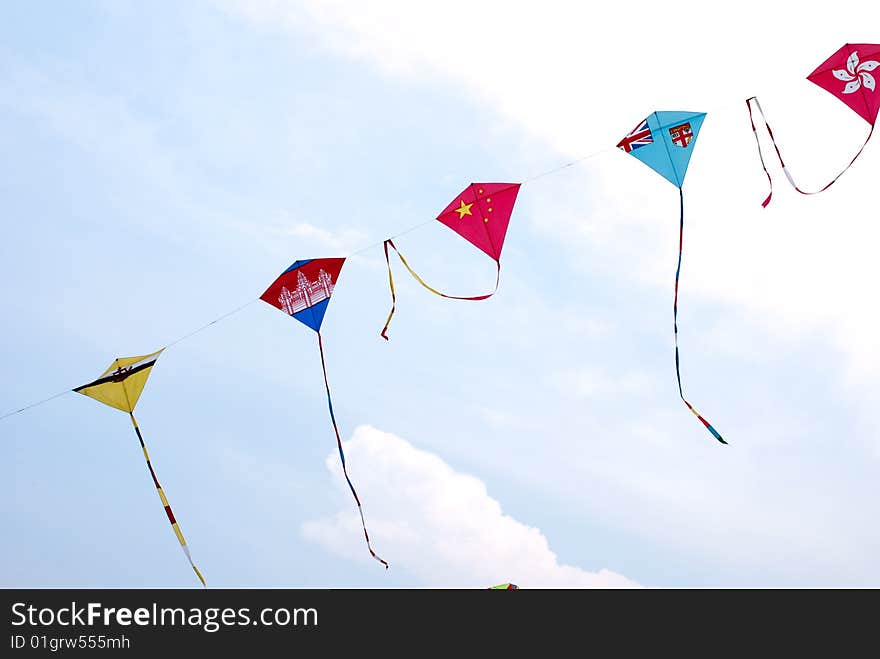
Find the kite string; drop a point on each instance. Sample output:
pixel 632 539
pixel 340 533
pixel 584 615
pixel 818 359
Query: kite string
pixel 213 322
pixel 397 235
pixel 167 345
pixel 359 251
pixel 27 407
pixel 568 164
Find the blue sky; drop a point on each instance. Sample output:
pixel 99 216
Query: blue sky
pixel 164 165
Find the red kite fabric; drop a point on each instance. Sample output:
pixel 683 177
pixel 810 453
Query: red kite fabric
pixel 480 215
pixel 850 75
pixel 303 292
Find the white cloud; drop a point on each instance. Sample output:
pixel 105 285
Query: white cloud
pixel 439 524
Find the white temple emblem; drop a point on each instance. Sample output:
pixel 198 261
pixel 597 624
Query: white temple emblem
pixel 307 293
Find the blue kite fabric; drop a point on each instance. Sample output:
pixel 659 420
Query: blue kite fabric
pixel 303 292
pixel 665 142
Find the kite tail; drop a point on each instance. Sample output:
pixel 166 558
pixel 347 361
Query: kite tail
pixel 708 425
pixel 165 503
pixel 761 153
pixel 779 155
pixel 342 455
pixel 415 275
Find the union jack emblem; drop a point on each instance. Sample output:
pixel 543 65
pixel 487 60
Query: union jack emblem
pixel 638 137
pixel 681 135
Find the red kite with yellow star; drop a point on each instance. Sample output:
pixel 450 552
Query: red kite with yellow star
pixel 480 215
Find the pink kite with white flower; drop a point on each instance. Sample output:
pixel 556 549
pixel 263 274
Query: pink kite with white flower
pixel 849 74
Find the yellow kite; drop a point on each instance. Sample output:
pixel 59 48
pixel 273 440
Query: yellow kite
pixel 120 386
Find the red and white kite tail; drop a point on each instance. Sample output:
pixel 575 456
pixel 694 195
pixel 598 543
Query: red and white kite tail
pixel 165 504
pixel 760 153
pixel 782 163
pixel 342 455
pixel 388 243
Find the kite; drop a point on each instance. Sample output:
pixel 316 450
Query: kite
pixel 303 292
pixel 480 215
pixel 664 142
pixel 504 586
pixel 849 74
pixel 120 386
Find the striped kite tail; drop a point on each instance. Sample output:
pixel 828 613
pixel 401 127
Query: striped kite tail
pixel 473 298
pixel 779 155
pixel 342 456
pixel 167 506
pixel 708 425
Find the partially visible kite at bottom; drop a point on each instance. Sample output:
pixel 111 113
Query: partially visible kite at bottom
pixel 120 386
pixel 303 292
pixel 664 142
pixel 504 586
pixel 849 74
pixel 480 215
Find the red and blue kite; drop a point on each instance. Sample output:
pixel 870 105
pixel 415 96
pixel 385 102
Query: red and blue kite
pixel 303 292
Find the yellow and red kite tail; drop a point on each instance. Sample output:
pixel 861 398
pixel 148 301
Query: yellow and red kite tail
pixel 342 455
pixel 779 155
pixel 708 425
pixel 388 243
pixel 165 503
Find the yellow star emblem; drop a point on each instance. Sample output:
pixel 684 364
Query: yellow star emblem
pixel 464 209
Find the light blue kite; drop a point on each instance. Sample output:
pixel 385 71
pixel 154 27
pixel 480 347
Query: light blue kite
pixel 664 142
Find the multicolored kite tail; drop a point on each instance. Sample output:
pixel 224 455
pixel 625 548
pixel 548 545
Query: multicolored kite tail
pixel 779 154
pixel 388 243
pixel 165 503
pixel 709 427
pixel 342 455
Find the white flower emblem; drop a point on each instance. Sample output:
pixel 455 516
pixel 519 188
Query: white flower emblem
pixel 856 74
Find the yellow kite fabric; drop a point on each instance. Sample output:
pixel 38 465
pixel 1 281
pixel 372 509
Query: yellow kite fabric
pixel 121 384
